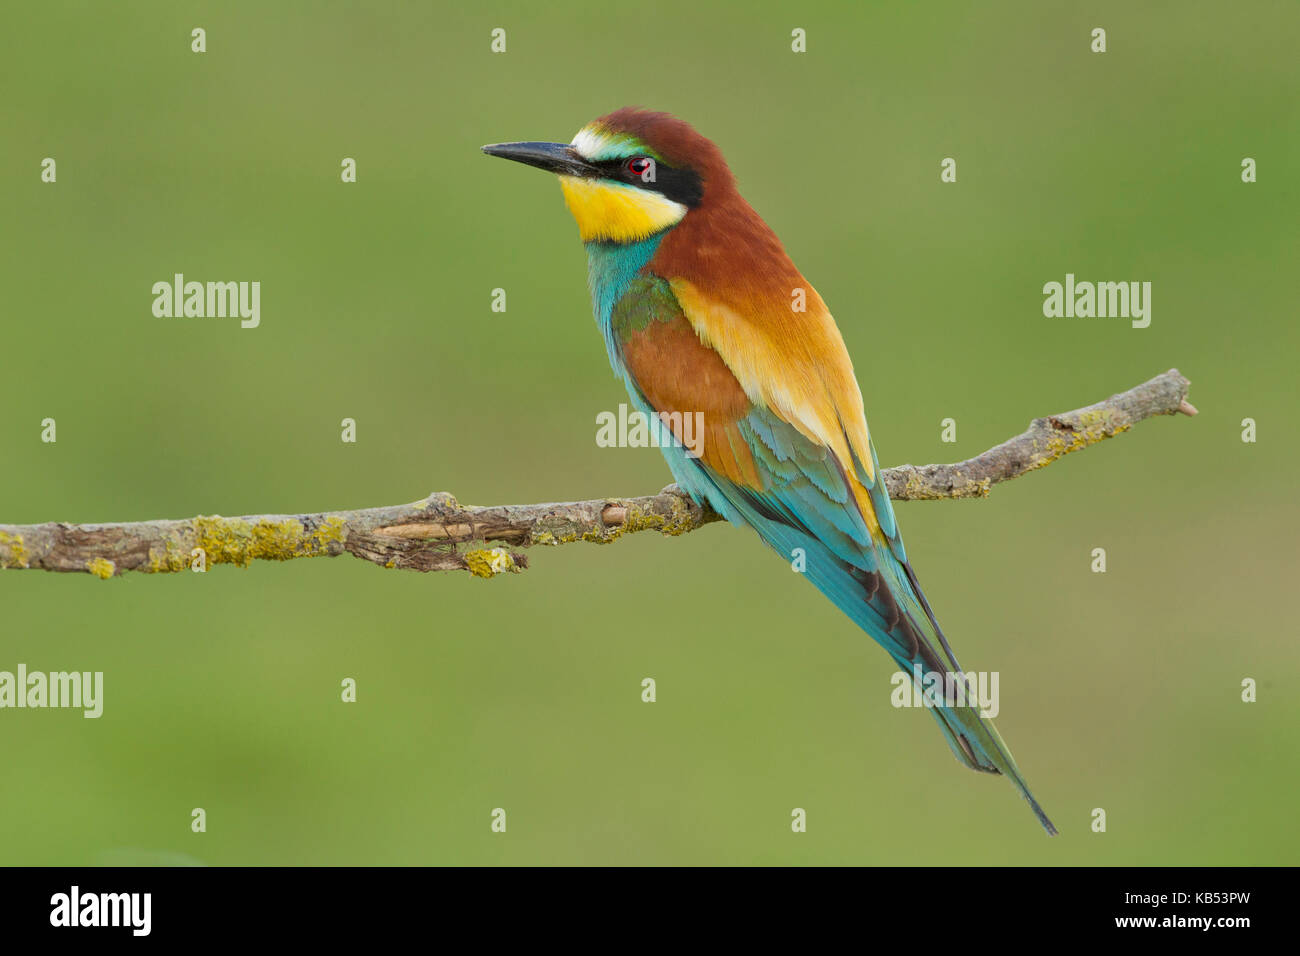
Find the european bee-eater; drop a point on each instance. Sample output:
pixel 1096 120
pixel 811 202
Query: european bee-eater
pixel 704 313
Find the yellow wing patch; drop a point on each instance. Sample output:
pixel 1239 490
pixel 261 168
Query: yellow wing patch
pixel 799 368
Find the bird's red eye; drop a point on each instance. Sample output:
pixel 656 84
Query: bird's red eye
pixel 637 165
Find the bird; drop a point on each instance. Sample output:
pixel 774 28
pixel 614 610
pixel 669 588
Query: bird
pixel 705 318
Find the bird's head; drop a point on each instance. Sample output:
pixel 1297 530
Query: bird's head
pixel 628 175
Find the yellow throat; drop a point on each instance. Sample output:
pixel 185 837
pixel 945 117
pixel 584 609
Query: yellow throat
pixel 617 211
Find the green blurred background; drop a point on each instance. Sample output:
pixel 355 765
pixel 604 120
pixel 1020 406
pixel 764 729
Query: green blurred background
pixel 1119 690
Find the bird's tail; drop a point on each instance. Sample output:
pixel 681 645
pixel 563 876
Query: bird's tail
pixel 898 616
pixel 976 743
pixel 880 593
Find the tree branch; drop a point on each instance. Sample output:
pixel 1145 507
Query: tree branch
pixel 439 534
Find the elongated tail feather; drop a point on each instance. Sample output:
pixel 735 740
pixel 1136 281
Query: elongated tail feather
pixel 973 738
pixel 976 743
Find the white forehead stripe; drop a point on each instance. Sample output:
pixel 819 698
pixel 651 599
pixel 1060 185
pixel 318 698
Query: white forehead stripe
pixel 591 142
pixel 595 143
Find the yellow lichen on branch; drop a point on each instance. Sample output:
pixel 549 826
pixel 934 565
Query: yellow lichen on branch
pixel 240 541
pixel 12 552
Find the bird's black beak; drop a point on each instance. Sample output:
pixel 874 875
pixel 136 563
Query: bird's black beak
pixel 555 157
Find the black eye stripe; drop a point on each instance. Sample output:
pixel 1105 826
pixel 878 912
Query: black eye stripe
pixel 679 185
